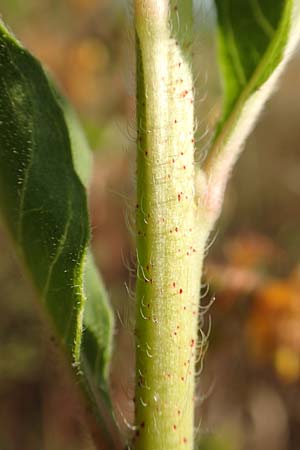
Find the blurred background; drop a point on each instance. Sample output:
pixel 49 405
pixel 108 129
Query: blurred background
pixel 249 390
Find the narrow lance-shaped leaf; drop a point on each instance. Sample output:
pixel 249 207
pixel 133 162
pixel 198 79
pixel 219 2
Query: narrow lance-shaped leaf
pixel 255 40
pixel 45 163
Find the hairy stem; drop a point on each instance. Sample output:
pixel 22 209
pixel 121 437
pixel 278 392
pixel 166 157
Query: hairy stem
pixel 171 233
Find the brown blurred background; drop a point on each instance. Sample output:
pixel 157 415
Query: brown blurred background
pixel 249 389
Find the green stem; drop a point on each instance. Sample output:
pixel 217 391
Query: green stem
pixel 171 230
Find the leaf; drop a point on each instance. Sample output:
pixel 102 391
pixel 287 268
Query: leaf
pixel 98 317
pixel 45 163
pixel 81 153
pixel 255 40
pixel 97 340
pixel 253 36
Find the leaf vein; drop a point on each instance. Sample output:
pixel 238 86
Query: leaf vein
pixel 261 19
pixel 60 248
pixel 234 51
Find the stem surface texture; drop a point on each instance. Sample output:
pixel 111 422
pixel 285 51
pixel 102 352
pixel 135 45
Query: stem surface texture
pixel 171 232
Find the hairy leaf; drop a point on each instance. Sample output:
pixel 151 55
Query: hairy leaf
pixel 255 40
pixel 98 318
pixel 45 163
pixel 253 36
pixel 97 336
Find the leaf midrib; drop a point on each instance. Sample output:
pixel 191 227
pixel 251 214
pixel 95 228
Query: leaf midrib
pixel 221 138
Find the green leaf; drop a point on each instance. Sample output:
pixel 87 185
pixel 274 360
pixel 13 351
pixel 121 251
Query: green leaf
pixel 98 317
pixel 253 37
pixel 81 152
pixel 255 40
pixel 97 339
pixel 45 166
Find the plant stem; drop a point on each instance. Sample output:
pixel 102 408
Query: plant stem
pixel 171 232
